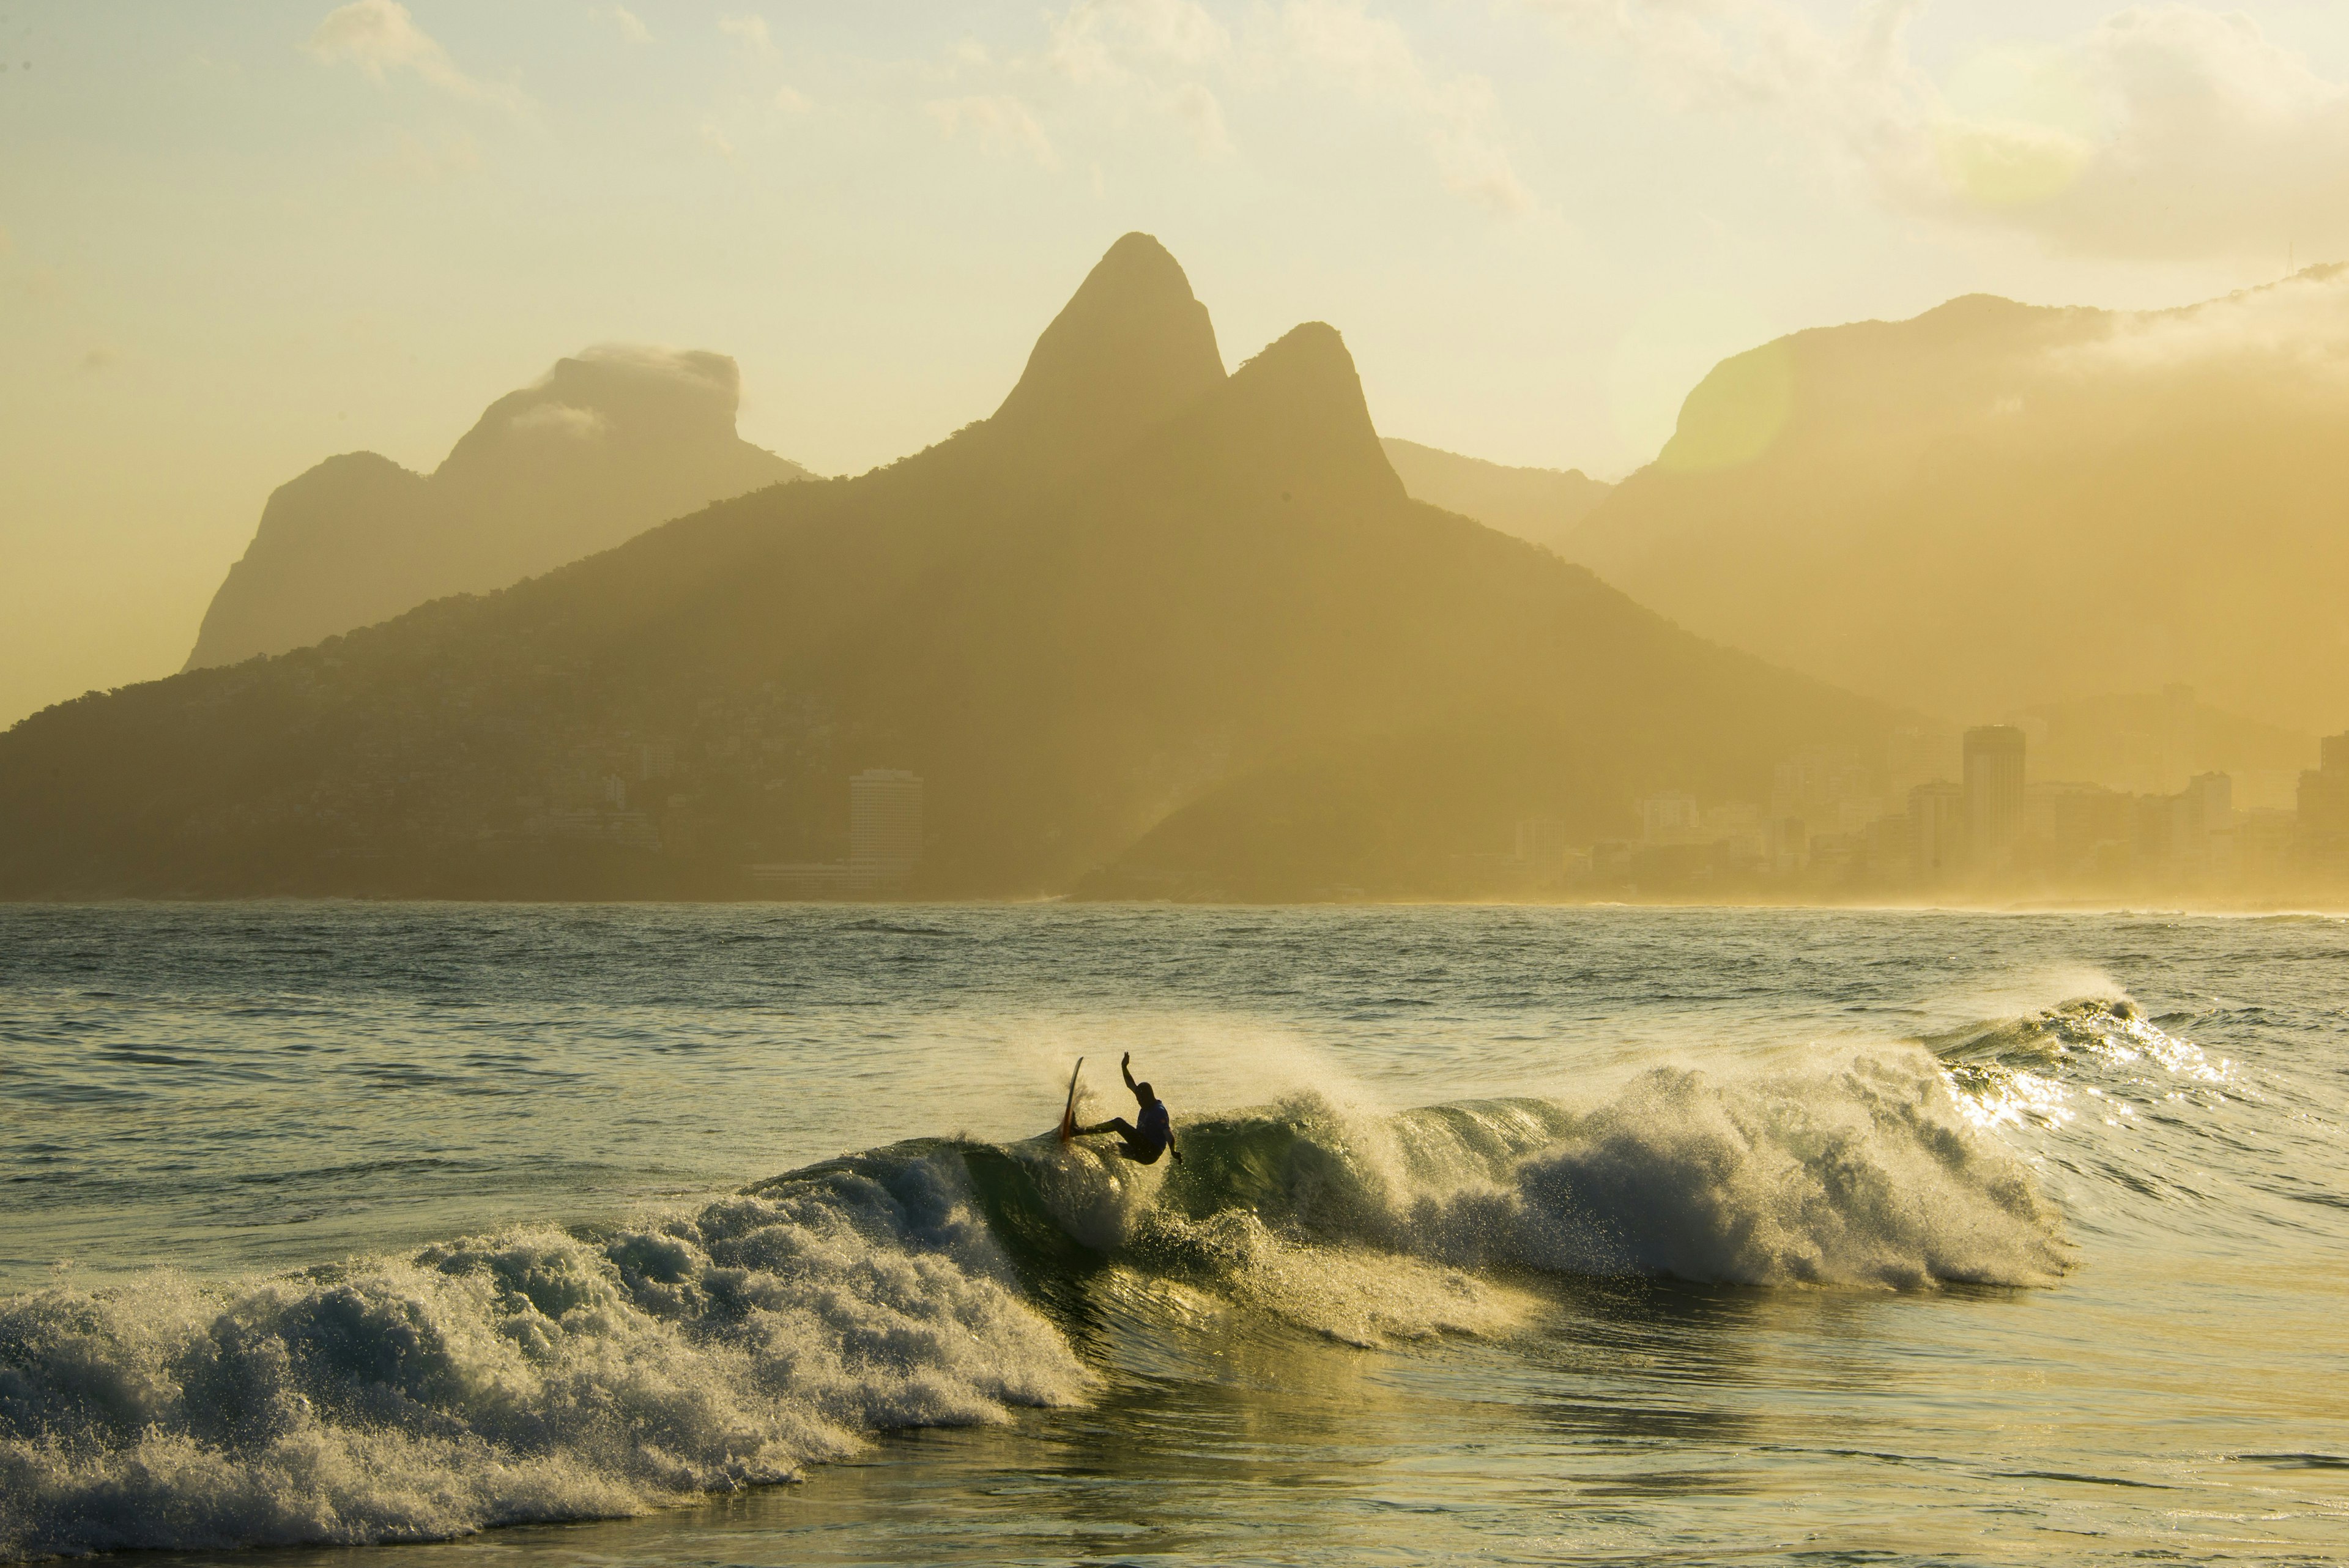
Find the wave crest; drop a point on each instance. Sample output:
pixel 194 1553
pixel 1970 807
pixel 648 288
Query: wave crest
pixel 536 1373
pixel 1867 1176
pixel 1863 1171
pixel 527 1376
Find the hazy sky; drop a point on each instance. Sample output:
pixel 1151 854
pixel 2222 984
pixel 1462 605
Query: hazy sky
pixel 236 239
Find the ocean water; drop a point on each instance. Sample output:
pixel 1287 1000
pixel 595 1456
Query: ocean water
pixel 438 1234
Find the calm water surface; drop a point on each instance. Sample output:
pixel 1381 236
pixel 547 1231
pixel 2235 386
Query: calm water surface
pixel 1513 1235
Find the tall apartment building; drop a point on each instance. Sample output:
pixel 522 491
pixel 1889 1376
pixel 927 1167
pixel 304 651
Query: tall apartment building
pixel 1541 847
pixel 2324 806
pixel 884 824
pixel 2073 829
pixel 2207 808
pixel 1936 831
pixel 1994 795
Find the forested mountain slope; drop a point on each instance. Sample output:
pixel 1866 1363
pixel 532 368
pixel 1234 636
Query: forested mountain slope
pixel 1144 595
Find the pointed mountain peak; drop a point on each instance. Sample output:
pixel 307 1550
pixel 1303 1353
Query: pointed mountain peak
pixel 1132 349
pixel 1137 264
pixel 1293 421
pixel 1307 360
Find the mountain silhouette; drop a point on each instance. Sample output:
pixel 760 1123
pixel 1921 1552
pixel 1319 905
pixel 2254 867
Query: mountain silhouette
pixel 1545 505
pixel 604 446
pixel 1148 629
pixel 1132 349
pixel 1996 505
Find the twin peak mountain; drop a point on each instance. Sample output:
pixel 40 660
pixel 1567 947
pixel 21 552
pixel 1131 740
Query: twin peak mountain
pixel 1150 630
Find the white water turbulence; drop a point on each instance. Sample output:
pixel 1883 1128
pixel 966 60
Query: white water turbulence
pixel 525 1376
pixel 1497 1234
pixel 1866 1173
pixel 533 1375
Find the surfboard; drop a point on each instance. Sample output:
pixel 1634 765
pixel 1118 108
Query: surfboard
pixel 1068 1111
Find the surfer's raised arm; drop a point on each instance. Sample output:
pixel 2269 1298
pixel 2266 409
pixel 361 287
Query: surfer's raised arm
pixel 1125 1065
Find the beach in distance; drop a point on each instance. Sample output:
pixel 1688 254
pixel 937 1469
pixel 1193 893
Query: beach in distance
pixel 672 1232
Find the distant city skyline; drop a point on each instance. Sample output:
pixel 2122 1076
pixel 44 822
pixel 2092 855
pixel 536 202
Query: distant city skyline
pixel 1995 832
pixel 1841 827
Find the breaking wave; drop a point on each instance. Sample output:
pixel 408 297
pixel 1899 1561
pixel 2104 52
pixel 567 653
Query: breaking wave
pixel 2014 1071
pixel 539 1373
pixel 531 1374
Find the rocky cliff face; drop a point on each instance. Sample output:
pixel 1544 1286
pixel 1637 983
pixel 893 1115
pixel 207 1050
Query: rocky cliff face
pixel 601 448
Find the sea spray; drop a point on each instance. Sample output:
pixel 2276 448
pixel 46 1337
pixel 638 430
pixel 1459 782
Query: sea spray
pixel 1227 1222
pixel 536 1373
pixel 2109 1032
pixel 525 1376
pixel 1860 1168
pixel 1863 1174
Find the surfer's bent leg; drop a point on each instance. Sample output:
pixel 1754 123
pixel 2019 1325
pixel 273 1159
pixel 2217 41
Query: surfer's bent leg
pixel 1132 1144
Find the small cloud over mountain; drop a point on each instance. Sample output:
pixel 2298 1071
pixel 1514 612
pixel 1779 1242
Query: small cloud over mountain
pixel 561 419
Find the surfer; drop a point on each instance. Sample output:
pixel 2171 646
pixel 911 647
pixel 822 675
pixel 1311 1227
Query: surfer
pixel 1152 1131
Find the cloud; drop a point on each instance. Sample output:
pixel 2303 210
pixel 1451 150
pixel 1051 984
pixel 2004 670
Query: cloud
pixel 695 367
pixel 1001 124
pixel 1097 40
pixel 1197 111
pixel 715 140
pixel 2290 339
pixel 380 37
pixel 562 420
pixel 626 20
pixel 1151 52
pixel 2207 138
pixel 751 32
pixel 752 37
pixel 2167 130
pixel 1857 91
pixel 1460 115
pixel 1161 54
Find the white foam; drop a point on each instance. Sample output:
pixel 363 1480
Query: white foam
pixel 1096 1196
pixel 1859 1169
pixel 535 1375
pixel 525 1375
pixel 1865 1172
